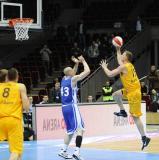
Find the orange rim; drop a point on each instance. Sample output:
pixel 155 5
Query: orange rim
pixel 14 21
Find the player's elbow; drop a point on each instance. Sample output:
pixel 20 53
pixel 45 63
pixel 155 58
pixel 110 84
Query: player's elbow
pixel 110 75
pixel 87 72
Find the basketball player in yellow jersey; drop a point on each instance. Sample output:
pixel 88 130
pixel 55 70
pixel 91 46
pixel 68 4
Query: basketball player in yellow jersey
pixel 131 90
pixel 13 98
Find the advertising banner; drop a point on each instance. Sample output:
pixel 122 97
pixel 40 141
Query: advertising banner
pixel 98 118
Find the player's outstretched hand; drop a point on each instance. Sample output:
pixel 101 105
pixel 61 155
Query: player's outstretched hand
pixel 75 60
pixel 103 64
pixel 81 59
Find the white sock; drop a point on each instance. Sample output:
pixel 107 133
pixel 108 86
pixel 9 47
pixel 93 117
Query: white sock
pixel 77 150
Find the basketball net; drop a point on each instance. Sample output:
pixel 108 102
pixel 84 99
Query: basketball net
pixel 21 27
pixel 21 31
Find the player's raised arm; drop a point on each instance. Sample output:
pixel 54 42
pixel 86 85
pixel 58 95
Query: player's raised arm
pixel 24 97
pixel 76 61
pixel 84 74
pixel 119 56
pixel 114 72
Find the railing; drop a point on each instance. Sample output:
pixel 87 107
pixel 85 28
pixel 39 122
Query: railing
pixel 93 83
pixel 143 78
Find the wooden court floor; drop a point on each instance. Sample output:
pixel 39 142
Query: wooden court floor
pixel 127 145
pixel 132 144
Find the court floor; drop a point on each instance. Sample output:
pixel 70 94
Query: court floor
pixel 114 147
pixel 47 150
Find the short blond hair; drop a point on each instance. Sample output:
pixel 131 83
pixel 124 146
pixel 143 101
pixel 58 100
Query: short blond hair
pixel 129 56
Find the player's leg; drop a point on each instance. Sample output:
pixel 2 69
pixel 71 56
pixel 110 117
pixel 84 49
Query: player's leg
pixel 117 96
pixel 78 142
pixel 67 140
pixel 134 100
pixel 14 156
pixel 3 130
pixel 63 153
pixel 79 136
pixel 70 121
pixel 9 128
pixel 140 126
pixel 15 138
pixel 20 157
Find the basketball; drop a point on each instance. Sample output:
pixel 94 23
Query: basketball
pixel 117 41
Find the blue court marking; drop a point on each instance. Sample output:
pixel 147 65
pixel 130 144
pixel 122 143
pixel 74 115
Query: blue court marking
pixel 48 150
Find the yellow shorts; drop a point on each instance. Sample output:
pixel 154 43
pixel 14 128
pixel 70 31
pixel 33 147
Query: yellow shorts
pixel 11 129
pixel 134 100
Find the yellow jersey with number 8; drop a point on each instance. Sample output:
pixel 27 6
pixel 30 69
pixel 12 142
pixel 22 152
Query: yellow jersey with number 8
pixel 130 80
pixel 10 100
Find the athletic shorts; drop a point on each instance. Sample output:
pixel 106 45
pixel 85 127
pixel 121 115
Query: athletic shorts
pixel 72 117
pixel 134 100
pixel 11 129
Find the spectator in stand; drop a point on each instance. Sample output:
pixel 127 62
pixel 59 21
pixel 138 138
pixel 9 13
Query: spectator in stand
pixel 75 50
pixel 56 80
pixel 154 99
pixel 144 89
pixel 93 53
pixel 45 100
pixel 81 34
pixel 145 95
pixel 27 116
pixel 55 95
pixel 98 41
pixel 45 55
pixel 153 71
pixel 107 92
pixel 152 77
pixel 52 84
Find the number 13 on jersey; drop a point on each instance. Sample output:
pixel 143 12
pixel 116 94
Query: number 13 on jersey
pixel 65 91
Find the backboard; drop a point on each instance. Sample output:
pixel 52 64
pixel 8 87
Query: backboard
pixel 21 9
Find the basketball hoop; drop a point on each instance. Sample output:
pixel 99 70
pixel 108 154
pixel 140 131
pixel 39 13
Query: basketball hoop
pixel 21 27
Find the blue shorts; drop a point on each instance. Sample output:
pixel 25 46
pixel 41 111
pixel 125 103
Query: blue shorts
pixel 72 118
